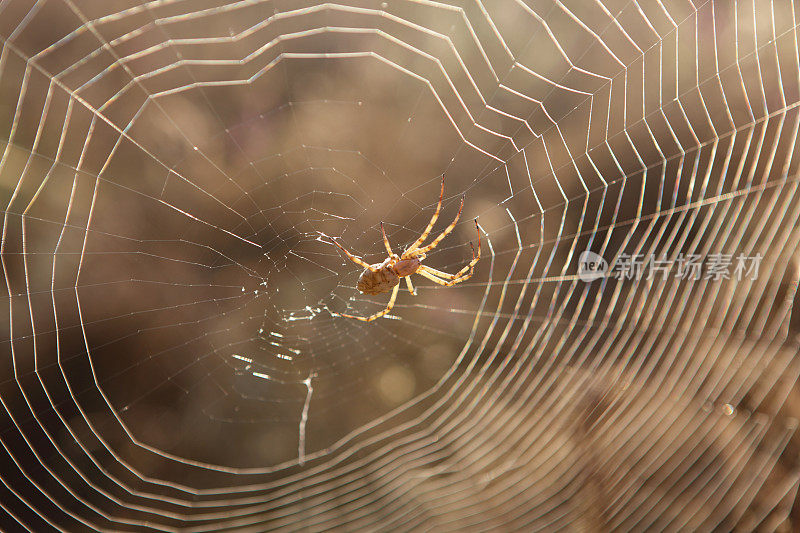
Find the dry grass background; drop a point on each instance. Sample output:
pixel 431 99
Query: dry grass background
pixel 168 320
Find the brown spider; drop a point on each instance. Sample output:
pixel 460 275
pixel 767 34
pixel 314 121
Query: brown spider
pixel 381 277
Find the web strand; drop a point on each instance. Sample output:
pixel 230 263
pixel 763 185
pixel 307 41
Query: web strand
pixel 178 352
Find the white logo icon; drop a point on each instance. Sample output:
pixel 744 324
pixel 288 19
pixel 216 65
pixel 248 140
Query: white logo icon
pixel 591 266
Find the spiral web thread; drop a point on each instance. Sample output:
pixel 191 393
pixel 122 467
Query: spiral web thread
pixel 173 360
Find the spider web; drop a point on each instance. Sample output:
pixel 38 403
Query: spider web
pixel 172 360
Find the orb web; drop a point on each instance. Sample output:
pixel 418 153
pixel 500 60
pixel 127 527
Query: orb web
pixel 173 355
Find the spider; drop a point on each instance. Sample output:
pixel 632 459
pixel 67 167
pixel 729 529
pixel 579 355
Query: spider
pixel 381 277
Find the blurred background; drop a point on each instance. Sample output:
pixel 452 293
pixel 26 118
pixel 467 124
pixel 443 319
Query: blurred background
pixel 171 355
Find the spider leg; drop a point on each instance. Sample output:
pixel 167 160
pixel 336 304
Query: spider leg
pixel 386 241
pixel 410 286
pixel 461 272
pixel 428 229
pixel 353 258
pixel 442 274
pixel 435 242
pixel 439 281
pixel 431 276
pixel 379 313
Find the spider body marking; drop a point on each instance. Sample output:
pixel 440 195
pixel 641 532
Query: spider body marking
pixel 382 277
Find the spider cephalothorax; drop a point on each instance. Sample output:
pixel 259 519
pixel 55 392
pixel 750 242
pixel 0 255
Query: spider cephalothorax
pixel 383 277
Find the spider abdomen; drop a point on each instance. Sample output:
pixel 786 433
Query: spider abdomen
pixel 382 280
